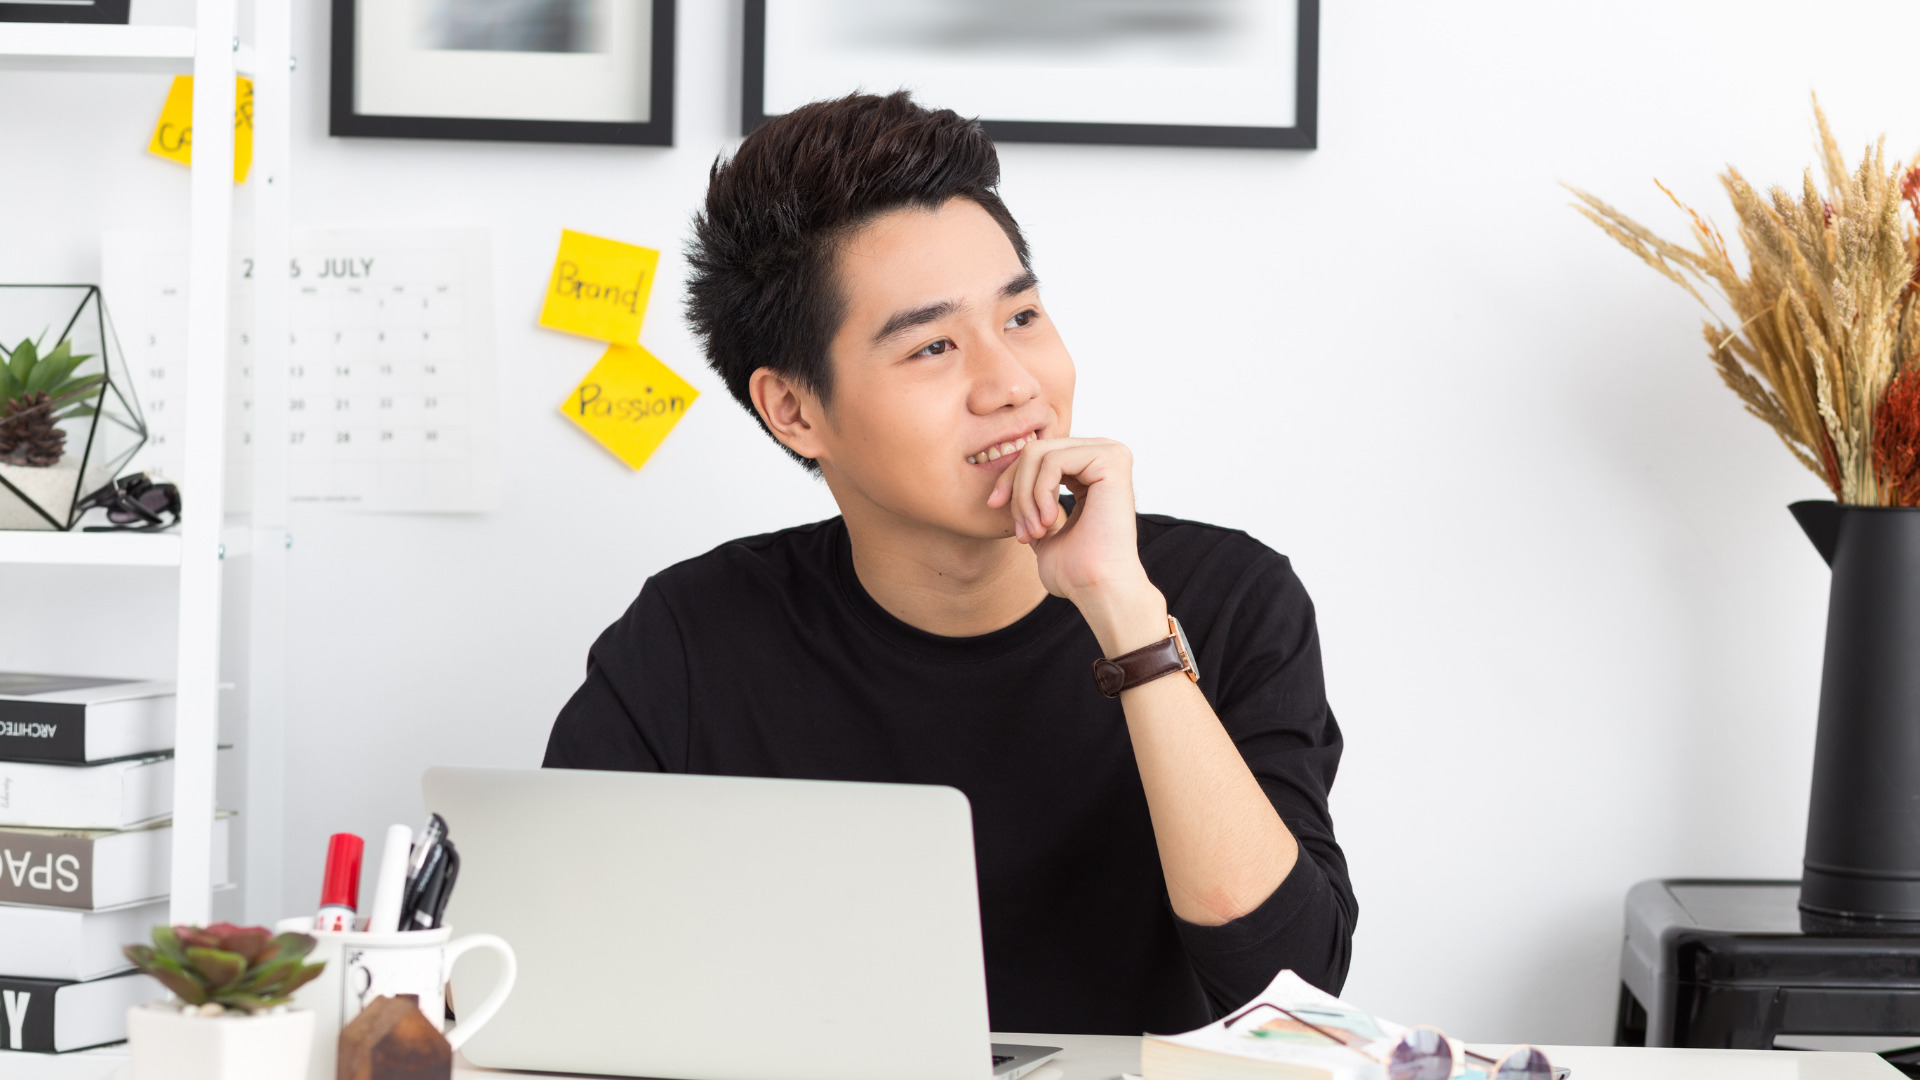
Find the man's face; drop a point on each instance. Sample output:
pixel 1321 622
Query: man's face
pixel 946 361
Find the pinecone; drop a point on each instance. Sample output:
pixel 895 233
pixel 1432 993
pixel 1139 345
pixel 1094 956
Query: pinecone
pixel 32 438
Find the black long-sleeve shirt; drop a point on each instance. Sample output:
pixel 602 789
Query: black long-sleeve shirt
pixel 766 657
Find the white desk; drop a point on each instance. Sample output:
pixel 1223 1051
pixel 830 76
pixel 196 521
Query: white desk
pixel 1102 1057
pixel 1610 1062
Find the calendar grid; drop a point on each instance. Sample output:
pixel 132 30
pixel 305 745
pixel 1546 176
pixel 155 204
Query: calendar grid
pixel 391 387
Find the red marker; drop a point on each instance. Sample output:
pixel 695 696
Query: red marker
pixel 340 893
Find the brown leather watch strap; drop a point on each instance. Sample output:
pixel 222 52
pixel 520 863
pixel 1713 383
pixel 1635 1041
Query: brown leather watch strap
pixel 1128 670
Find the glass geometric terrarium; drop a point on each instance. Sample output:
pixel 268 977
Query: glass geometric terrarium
pixel 68 418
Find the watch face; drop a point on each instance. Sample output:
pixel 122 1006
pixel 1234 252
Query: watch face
pixel 1186 650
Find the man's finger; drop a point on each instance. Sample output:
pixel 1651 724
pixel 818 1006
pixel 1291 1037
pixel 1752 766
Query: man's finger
pixel 1019 477
pixel 1032 485
pixel 1002 489
pixel 1046 490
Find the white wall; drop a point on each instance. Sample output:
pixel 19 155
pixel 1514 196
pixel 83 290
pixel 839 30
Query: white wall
pixel 1571 632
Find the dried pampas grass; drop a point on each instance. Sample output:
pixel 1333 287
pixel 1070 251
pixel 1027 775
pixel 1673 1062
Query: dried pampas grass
pixel 1823 319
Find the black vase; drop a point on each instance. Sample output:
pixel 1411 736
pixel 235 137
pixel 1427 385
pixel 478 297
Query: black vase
pixel 1862 867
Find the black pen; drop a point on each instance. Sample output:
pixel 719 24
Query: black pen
pixel 431 834
pixel 436 910
pixel 421 916
pixel 421 888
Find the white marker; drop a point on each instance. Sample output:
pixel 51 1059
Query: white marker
pixel 384 917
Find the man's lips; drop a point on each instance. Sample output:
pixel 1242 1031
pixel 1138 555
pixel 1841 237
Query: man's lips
pixel 993 453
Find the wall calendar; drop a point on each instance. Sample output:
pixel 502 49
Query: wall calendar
pixel 392 401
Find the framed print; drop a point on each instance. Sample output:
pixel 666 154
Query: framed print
pixel 67 11
pixel 1142 72
pixel 577 71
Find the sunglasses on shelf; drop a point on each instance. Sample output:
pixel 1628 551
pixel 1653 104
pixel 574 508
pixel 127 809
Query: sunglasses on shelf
pixel 137 503
pixel 1425 1053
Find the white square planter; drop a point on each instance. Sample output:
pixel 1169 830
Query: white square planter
pixel 171 1045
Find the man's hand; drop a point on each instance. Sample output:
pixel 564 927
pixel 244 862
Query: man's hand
pixel 1093 557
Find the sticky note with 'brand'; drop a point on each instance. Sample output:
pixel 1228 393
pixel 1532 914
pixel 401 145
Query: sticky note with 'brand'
pixel 173 135
pixel 629 402
pixel 599 288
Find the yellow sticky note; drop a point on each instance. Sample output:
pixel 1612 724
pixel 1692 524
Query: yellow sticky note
pixel 629 402
pixel 599 288
pixel 173 135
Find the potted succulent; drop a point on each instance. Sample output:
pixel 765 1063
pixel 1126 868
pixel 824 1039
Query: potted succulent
pixel 231 1015
pixel 36 393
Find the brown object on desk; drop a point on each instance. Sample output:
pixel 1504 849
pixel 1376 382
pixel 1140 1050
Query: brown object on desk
pixel 392 1040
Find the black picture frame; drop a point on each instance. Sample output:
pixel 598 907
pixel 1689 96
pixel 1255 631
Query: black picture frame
pixel 1303 135
pixel 344 120
pixel 97 11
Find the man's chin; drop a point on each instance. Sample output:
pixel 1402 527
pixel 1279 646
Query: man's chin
pixel 986 528
pixel 935 509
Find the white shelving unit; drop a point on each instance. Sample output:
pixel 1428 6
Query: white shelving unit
pixel 111 549
pixel 90 549
pixel 166 50
pixel 211 53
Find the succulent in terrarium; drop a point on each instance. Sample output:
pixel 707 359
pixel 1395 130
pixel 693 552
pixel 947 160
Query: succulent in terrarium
pixel 36 393
pixel 245 969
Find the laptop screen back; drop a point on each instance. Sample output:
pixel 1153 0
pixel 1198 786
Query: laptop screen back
pixel 719 928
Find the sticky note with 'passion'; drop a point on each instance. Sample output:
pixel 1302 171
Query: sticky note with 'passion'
pixel 629 402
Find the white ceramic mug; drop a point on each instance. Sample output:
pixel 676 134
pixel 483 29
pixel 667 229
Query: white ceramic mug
pixel 362 966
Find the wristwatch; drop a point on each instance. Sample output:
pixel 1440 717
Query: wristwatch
pixel 1163 657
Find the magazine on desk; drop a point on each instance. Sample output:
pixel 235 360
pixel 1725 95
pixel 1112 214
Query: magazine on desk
pixel 1290 1031
pixel 1259 1041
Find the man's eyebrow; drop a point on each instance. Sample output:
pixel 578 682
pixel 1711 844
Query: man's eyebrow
pixel 902 321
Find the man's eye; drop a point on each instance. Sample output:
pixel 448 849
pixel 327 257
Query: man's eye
pixel 1022 319
pixel 936 348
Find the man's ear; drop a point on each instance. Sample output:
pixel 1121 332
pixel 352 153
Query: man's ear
pixel 791 411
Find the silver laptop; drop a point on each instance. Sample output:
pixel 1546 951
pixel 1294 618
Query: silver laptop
pixel 722 928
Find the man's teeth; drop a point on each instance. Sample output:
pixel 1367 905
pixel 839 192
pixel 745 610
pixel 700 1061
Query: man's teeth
pixel 995 453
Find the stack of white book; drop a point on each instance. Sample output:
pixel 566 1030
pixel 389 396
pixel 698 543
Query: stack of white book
pixel 86 784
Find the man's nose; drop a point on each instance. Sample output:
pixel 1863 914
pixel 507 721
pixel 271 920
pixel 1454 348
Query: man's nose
pixel 1000 380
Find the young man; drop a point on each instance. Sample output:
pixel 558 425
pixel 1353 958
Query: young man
pixel 1146 861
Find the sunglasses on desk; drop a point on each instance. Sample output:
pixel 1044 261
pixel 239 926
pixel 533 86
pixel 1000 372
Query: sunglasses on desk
pixel 137 503
pixel 1425 1053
